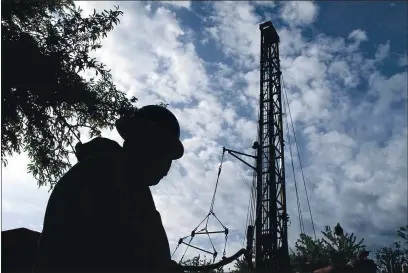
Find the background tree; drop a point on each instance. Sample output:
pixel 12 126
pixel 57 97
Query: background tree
pixel 341 248
pixel 45 101
pixel 403 237
pixel 390 259
pixel 335 247
pixel 241 264
pixel 162 104
pixel 198 261
pixel 309 254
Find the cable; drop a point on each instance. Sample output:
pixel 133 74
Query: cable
pixel 216 184
pixel 239 171
pixel 204 231
pixel 250 213
pixel 253 199
pixel 300 161
pixel 247 219
pixel 301 224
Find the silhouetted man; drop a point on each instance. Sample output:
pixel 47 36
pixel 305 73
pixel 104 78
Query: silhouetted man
pixel 101 216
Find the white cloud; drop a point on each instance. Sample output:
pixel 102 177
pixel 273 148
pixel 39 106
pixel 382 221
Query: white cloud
pixel 264 3
pixel 299 12
pixel 382 51
pixel 358 35
pixel 403 59
pixel 240 39
pixel 181 4
pixel 350 118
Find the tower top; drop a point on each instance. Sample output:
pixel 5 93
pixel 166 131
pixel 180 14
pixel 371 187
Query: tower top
pixel 269 30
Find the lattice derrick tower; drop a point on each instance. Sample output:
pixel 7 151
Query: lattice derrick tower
pixel 271 239
pixel 271 246
pixel 271 219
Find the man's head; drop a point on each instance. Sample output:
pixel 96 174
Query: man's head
pixel 152 140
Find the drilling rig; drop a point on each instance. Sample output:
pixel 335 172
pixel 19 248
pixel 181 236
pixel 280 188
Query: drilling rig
pixel 271 239
pixel 271 223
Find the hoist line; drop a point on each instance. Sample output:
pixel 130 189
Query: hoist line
pixel 300 161
pixel 216 184
pixel 211 242
pixel 250 211
pixel 178 245
pixel 239 171
pixel 205 230
pixel 252 197
pixel 219 221
pixel 185 251
pixel 246 221
pixel 301 224
pixel 253 200
pixel 215 191
pixel 251 204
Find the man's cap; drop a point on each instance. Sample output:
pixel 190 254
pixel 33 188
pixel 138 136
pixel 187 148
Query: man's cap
pixel 154 117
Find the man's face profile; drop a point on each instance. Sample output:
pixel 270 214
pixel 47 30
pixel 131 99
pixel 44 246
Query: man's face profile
pixel 161 168
pixel 154 154
pixel 161 160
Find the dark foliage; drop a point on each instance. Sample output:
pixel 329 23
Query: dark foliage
pixel 336 248
pixel 197 261
pixel 341 248
pixel 391 259
pixel 45 102
pixel 241 265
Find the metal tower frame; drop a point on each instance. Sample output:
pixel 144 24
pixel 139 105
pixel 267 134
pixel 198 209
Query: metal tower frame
pixel 271 222
pixel 271 242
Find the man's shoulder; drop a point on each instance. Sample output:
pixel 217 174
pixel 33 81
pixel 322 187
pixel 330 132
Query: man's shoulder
pixel 89 172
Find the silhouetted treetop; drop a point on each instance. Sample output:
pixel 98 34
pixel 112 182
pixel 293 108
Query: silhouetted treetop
pixel 45 101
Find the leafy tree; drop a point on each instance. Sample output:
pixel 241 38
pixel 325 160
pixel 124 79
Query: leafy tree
pixel 309 254
pixel 390 259
pixel 162 104
pixel 341 248
pixel 45 101
pixel 241 264
pixel 197 261
pixel 335 247
pixel 403 235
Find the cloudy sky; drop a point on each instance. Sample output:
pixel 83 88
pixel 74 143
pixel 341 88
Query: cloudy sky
pixel 344 67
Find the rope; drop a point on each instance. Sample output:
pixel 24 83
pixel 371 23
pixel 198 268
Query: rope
pixel 216 184
pixel 211 243
pixel 182 257
pixel 247 220
pixel 204 231
pixel 250 212
pixel 301 224
pixel 300 161
pixel 239 171
pixel 253 205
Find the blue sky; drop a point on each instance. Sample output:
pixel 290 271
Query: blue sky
pixel 344 67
